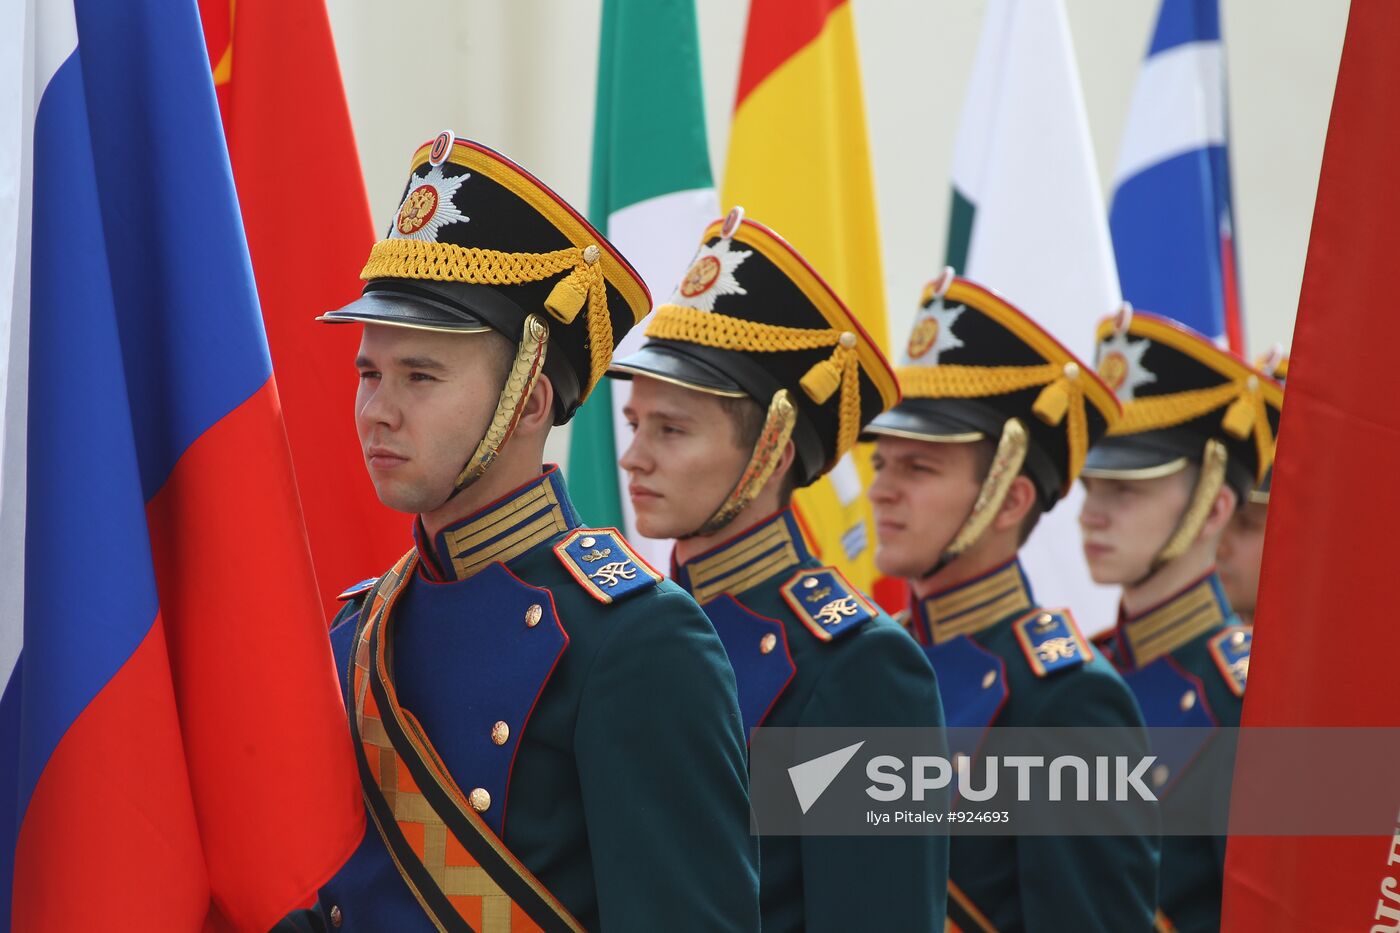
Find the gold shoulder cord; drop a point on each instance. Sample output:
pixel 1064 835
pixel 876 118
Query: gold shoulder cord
pixel 1212 477
pixel 1006 466
pixel 772 441
pixel 524 373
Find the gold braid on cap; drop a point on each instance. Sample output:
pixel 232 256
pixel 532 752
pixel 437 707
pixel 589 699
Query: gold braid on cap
pixel 446 262
pixel 520 382
pixel 1212 477
pixel 1062 397
pixel 767 451
pixel 841 370
pixel 1246 413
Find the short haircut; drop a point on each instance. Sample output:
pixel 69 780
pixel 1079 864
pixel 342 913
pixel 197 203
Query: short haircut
pixel 747 418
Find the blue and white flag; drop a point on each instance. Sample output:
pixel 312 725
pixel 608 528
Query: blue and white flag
pixel 1170 218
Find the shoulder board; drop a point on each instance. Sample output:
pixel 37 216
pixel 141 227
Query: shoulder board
pixel 601 562
pixel 1230 650
pixel 359 589
pixel 1051 641
pixel 826 603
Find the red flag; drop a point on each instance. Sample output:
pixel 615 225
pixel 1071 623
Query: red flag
pixel 309 231
pixel 1323 654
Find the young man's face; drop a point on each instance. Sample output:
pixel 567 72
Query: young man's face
pixel 1241 552
pixel 1125 523
pixel 922 494
pixel 423 404
pixel 684 458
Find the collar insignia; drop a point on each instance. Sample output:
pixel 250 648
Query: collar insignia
pixel 601 561
pixel 826 603
pixel 1051 641
pixel 1230 651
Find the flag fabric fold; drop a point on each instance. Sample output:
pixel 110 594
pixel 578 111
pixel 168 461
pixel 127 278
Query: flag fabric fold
pixel 308 227
pixel 1322 625
pixel 1027 219
pixel 1172 223
pixel 172 743
pixel 651 195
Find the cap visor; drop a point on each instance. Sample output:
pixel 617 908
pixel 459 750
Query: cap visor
pixel 922 421
pixel 397 309
pixel 660 361
pixel 1132 458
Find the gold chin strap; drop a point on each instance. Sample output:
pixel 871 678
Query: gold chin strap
pixel 1212 477
pixel 1006 466
pixel 520 382
pixel 772 441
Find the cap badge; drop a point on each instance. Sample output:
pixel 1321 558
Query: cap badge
pixel 1120 365
pixel 711 276
pixel 429 206
pixel 933 332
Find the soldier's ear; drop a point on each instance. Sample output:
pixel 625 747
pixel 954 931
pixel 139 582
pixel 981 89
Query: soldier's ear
pixel 538 415
pixel 1221 511
pixel 1020 499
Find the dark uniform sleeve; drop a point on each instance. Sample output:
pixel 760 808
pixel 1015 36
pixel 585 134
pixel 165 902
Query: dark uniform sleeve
pixel 882 678
pixel 1089 883
pixel 662 763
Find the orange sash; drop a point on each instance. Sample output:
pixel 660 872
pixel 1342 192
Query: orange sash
pixel 461 873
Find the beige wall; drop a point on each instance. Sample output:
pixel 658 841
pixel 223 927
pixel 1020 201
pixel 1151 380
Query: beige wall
pixel 519 76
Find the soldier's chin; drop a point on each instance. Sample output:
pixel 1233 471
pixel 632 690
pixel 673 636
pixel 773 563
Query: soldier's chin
pixel 410 500
pixel 900 562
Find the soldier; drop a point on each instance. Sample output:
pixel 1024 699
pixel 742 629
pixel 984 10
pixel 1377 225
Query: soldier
pixel 1196 436
pixel 1242 545
pixel 755 380
pixel 995 423
pixel 547 731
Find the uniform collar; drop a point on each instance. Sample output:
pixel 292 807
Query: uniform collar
pixel 1198 609
pixel 743 562
pixel 975 605
pixel 518 521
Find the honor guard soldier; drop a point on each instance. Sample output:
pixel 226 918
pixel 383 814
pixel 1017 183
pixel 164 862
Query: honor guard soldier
pixel 1242 545
pixel 755 379
pixel 547 731
pixel 1197 435
pixel 995 424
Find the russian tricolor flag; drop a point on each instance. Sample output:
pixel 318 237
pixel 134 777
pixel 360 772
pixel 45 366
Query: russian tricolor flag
pixel 173 750
pixel 1171 221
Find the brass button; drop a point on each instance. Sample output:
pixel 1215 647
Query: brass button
pixel 767 643
pixel 533 615
pixel 588 542
pixel 810 582
pixel 591 254
pixel 1160 775
pixel 848 339
pixel 1237 638
pixel 337 918
pixel 1188 700
pixel 500 733
pixel 1071 370
pixel 1045 618
pixel 479 799
pixel 988 679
